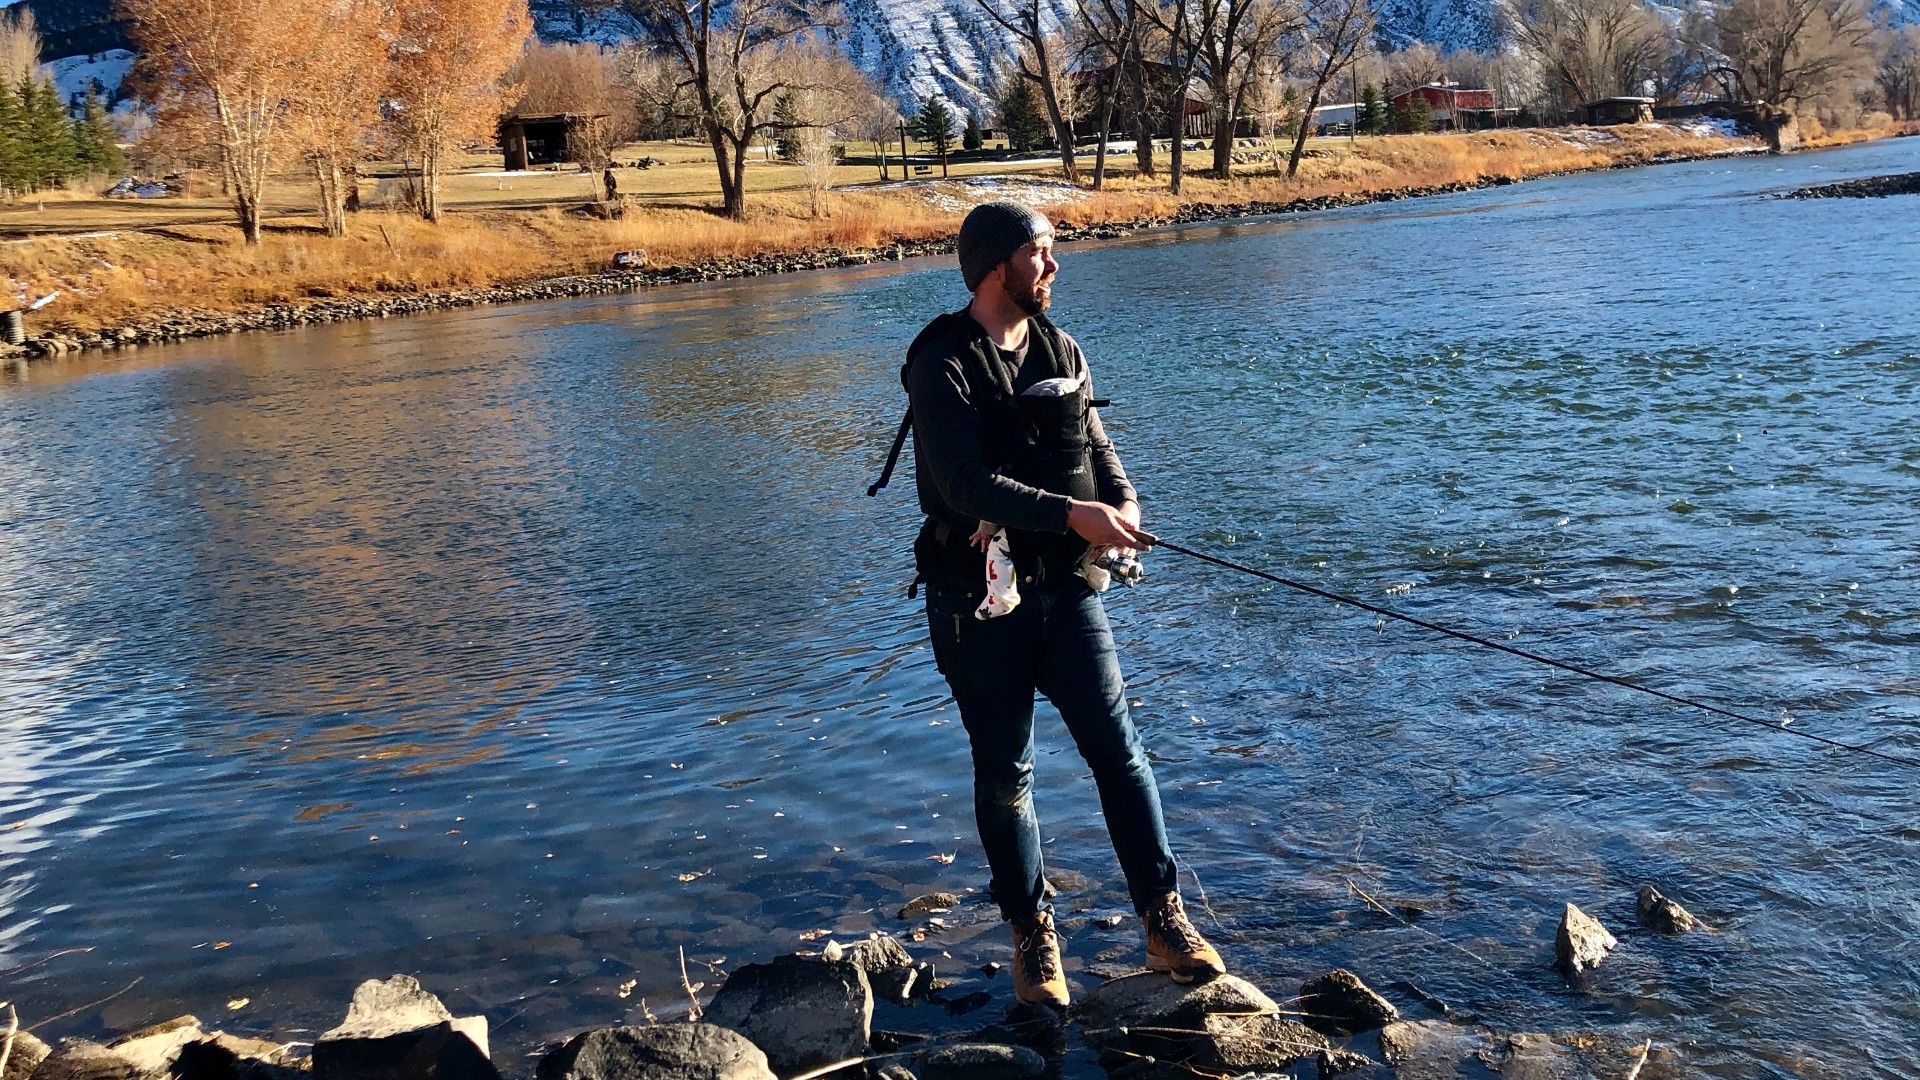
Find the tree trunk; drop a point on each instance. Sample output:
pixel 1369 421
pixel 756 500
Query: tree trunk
pixel 1106 132
pixel 1062 131
pixel 1306 124
pixel 1143 144
pixel 1223 123
pixel 247 208
pixel 735 191
pixel 731 203
pixel 1176 160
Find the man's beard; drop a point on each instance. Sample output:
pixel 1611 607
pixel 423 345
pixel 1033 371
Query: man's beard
pixel 1029 297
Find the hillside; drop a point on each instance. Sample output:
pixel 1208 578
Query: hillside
pixel 912 47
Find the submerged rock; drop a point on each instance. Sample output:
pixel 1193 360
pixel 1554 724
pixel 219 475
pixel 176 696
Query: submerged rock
pixel 1338 1003
pixel 981 1061
pixel 153 1050
pixel 930 904
pixel 658 1052
pixel 803 1012
pixel 1437 1050
pixel 891 973
pixel 1581 942
pixel 1662 914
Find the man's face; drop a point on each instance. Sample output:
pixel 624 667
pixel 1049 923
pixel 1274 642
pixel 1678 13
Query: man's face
pixel 1029 277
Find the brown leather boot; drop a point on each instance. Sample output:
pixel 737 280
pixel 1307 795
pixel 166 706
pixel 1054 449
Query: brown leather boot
pixel 1174 946
pixel 1037 976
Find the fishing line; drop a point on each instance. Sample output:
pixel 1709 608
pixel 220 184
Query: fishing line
pixel 1896 759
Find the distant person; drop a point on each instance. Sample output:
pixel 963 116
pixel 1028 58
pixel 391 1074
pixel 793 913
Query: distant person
pixel 1011 459
pixel 613 184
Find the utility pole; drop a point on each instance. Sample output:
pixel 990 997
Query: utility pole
pixel 905 173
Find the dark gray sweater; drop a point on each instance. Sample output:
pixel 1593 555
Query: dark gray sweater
pixel 955 482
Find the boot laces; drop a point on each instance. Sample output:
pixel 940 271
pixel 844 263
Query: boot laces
pixel 1040 950
pixel 1171 924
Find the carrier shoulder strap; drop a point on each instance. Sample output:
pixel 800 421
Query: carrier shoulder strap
pixel 906 422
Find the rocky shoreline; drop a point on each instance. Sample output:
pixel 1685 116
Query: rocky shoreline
pixel 811 1015
pixel 188 324
pixel 1872 187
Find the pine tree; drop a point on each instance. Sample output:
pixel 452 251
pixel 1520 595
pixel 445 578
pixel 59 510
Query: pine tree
pixel 933 125
pixel 12 142
pixel 1020 115
pixel 971 138
pixel 47 152
pixel 1372 118
pixel 1419 114
pixel 96 143
pixel 787 139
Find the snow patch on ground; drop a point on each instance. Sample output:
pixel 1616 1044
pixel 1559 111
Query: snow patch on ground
pixel 1708 127
pixel 957 195
pixel 74 75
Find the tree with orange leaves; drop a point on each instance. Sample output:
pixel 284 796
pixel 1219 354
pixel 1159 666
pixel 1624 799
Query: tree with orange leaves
pixel 338 107
pixel 234 65
pixel 446 78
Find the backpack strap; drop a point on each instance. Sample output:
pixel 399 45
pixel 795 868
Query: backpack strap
pixel 893 455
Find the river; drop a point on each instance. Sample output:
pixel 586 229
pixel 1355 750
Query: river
pixel 525 647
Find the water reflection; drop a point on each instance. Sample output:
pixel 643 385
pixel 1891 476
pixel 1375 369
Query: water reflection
pixel 523 648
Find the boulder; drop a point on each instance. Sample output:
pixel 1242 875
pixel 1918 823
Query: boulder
pixel 153 1050
pixel 1333 1062
pixel 27 1054
pixel 803 1012
pixel 981 1061
pixel 83 1059
pixel 1431 1049
pixel 1338 1003
pixel 1662 914
pixel 395 1030
pixel 1581 942
pixel 659 1052
pixel 890 971
pixel 1224 1024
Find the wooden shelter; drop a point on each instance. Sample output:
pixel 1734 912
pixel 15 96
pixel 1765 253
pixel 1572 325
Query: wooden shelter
pixel 1618 110
pixel 555 139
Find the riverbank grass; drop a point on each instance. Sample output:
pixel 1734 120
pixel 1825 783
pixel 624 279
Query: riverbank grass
pixel 115 276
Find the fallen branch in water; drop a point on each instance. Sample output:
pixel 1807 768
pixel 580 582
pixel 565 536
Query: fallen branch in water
pixel 13 1029
pixel 693 1000
pixel 1402 920
pixel 9 973
pixel 88 1005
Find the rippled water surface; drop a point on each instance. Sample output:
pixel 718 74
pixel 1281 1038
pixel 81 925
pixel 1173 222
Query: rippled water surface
pixel 522 648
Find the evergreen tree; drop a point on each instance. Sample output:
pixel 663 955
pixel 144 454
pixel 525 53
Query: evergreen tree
pixel 1419 114
pixel 1373 117
pixel 787 129
pixel 96 143
pixel 971 138
pixel 48 135
pixel 933 125
pixel 1020 115
pixel 12 142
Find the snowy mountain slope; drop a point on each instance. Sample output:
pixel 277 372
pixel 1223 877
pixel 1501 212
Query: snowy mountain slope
pixel 75 75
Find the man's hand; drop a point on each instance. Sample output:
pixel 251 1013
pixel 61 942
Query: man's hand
pixel 1102 526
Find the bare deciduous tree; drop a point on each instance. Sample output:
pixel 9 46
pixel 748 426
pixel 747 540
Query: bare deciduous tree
pixel 1043 61
pixel 1110 43
pixel 1181 27
pixel 1336 31
pixel 448 63
pixel 1591 49
pixel 1244 33
pixel 1899 74
pixel 19 45
pixel 833 99
pixel 1795 53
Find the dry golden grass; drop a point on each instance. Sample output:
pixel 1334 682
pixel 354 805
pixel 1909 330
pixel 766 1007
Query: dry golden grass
pixel 118 277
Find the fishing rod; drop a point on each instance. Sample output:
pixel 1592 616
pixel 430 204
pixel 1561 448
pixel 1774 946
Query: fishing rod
pixel 1896 759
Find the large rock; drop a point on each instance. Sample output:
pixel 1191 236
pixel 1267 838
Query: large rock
pixel 890 971
pixel 27 1054
pixel 803 1012
pixel 981 1061
pixel 1581 942
pixel 153 1050
pixel 660 1052
pixel 1338 1003
pixel 231 1057
pixel 395 1030
pixel 1662 914
pixel 1224 1024
pixel 81 1059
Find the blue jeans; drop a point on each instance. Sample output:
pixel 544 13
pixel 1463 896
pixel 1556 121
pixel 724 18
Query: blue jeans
pixel 1056 642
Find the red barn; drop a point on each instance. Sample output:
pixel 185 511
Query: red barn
pixel 1456 107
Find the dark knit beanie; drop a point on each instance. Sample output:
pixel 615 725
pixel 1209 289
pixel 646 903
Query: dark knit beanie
pixel 992 233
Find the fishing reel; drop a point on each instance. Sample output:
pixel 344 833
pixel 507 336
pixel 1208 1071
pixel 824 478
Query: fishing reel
pixel 1122 566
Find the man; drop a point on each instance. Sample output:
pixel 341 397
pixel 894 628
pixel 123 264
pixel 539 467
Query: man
pixel 1005 432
